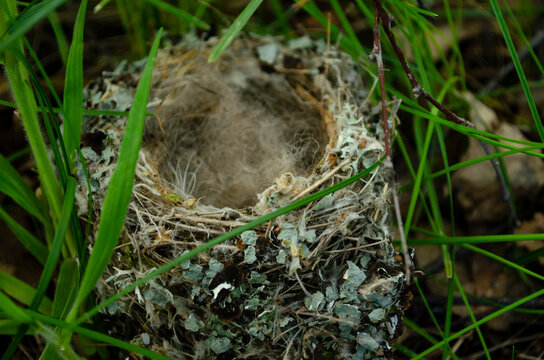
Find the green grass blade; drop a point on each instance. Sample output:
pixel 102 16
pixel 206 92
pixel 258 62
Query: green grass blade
pixel 10 327
pixel 67 285
pixel 477 134
pixel 311 8
pixel 478 160
pixel 37 248
pixel 40 67
pixel 50 352
pixel 75 241
pixel 22 292
pixel 17 154
pixel 490 238
pixel 73 89
pixel 280 16
pixel 19 79
pixel 471 314
pixel 419 330
pixel 62 43
pixel 524 38
pixel 356 44
pixel 415 11
pixel 95 335
pixel 425 334
pixel 234 29
pixel 50 265
pixel 120 188
pixel 519 69
pixel 480 322
pixel 179 13
pixel 26 21
pixel 458 56
pixel 406 351
pixel 418 180
pixel 13 311
pixel 435 207
pixel 530 257
pixel 90 218
pixel 449 310
pixel 503 261
pixel 100 5
pixel 133 16
pixel 500 305
pixel 14 186
pixel 222 238
pixel 480 239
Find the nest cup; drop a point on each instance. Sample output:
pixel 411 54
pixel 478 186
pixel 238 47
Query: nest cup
pixel 266 124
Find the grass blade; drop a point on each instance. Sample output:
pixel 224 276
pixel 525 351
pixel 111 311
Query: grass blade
pixel 95 335
pixel 13 311
pixel 26 20
pixel 22 292
pixel 234 29
pixel 19 79
pixel 355 43
pixel 519 69
pixel 120 188
pixel 503 261
pixel 479 322
pixel 43 73
pixel 179 13
pixel 62 43
pixel 29 241
pixel 477 134
pixel 419 330
pixel 73 89
pixel 67 285
pixel 10 327
pixel 471 314
pixel 311 8
pixel 13 185
pixel 477 160
pixel 50 264
pixel 418 180
pixel 480 239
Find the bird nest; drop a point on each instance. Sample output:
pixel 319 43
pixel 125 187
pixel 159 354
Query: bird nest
pixel 266 124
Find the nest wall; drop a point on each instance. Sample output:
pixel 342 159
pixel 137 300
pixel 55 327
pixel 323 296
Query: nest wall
pixel 269 123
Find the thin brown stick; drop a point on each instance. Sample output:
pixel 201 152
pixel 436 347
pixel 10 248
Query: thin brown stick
pixel 376 55
pixel 417 89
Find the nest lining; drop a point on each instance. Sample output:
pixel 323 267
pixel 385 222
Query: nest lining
pixel 227 129
pixel 323 280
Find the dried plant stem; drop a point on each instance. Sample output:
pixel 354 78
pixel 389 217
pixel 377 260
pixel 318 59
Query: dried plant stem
pixel 207 220
pixel 330 318
pixel 186 243
pixel 302 285
pixel 323 179
pixel 417 89
pixel 377 56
